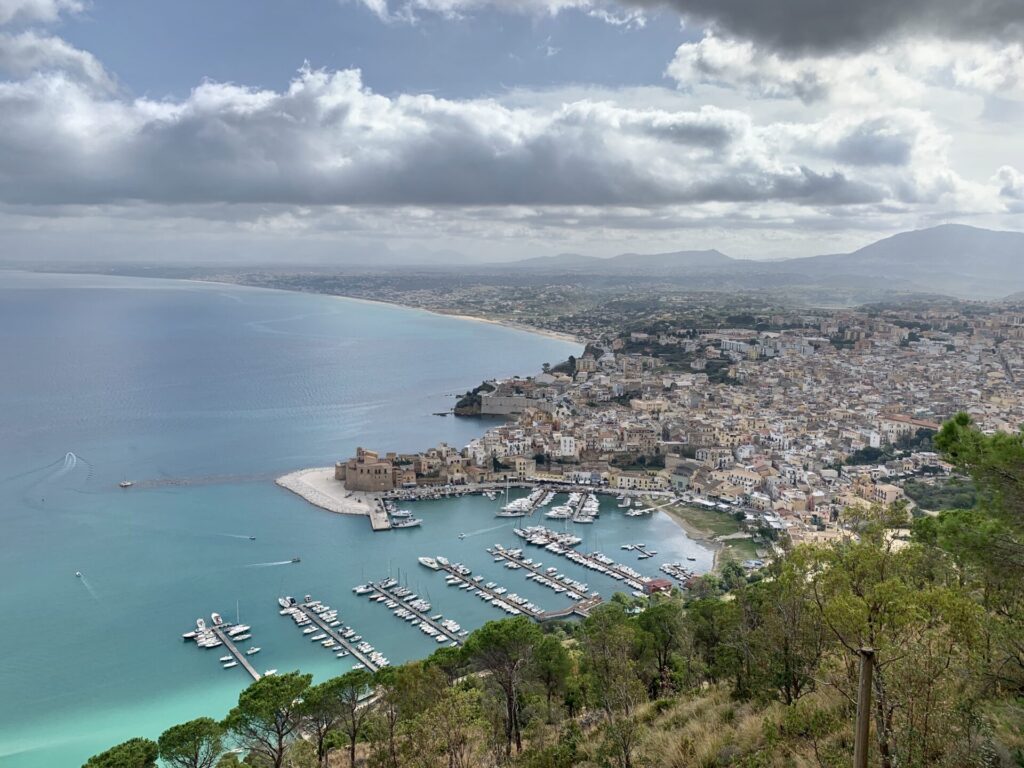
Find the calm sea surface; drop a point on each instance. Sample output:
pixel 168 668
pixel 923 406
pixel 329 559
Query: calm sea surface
pixel 202 394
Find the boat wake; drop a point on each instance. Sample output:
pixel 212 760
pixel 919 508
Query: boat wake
pixel 486 530
pixel 88 586
pixel 268 565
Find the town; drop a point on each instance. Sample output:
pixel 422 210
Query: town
pixel 788 430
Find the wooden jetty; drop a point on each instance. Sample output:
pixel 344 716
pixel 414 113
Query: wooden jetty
pixel 240 657
pixel 380 589
pixel 363 658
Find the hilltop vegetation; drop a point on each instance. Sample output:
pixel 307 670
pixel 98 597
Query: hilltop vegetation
pixel 763 676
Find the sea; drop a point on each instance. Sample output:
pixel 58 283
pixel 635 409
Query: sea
pixel 202 394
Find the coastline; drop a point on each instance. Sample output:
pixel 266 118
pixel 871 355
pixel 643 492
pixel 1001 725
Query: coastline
pixel 318 487
pixel 560 336
pixel 699 535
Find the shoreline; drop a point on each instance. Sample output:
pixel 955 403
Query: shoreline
pixel 512 324
pixel 314 486
pixel 699 535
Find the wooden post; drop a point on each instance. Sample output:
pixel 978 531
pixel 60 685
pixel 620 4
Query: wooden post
pixel 860 743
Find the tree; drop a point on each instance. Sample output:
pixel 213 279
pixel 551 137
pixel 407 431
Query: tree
pixel 662 633
pixel 504 650
pixel 871 593
pixel 268 715
pixel 195 744
pixel 609 640
pixel 551 665
pixel 134 753
pixel 448 732
pixel 348 691
pixel 320 713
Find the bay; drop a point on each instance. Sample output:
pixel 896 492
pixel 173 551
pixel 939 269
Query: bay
pixel 202 394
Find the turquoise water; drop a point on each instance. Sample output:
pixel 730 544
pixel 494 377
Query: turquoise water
pixel 202 394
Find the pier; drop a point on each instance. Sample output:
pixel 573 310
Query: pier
pixel 379 520
pixel 240 657
pixel 380 588
pixel 582 608
pixel 535 569
pixel 363 658
pixel 546 538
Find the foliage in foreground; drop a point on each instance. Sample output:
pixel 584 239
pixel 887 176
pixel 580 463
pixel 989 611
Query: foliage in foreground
pixel 765 676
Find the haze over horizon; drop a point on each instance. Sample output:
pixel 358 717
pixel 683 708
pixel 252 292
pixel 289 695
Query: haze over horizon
pixel 492 131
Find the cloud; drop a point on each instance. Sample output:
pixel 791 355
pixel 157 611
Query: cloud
pixel 894 73
pixel 329 140
pixel 1010 182
pixel 37 10
pixel 814 26
pixel 29 52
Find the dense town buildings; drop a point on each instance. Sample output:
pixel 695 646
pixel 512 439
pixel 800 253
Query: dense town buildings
pixel 790 426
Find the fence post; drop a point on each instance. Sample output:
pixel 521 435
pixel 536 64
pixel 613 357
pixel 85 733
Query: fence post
pixel 860 743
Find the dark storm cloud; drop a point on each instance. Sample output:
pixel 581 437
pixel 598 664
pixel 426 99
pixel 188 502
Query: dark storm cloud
pixel 801 26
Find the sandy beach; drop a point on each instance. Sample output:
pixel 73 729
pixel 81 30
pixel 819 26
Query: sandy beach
pixel 698 535
pixel 318 487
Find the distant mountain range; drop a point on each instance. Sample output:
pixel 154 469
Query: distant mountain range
pixel 952 259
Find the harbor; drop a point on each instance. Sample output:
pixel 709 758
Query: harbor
pixel 499 596
pixel 411 608
pixel 563 544
pixel 550 578
pixel 220 634
pixel 313 613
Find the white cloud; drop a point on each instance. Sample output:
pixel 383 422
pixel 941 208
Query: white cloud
pixel 37 10
pixel 24 54
pixel 895 73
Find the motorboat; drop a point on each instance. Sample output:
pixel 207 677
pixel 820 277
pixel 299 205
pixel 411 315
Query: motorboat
pixel 126 484
pixel 252 651
pixel 226 659
pixel 78 574
pixel 296 559
pixel 231 664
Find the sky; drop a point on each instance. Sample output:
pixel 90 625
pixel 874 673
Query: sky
pixel 301 131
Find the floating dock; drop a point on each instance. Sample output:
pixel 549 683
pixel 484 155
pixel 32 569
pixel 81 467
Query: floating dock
pixel 380 588
pixel 363 658
pixel 240 657
pixel 535 569
pixel 581 608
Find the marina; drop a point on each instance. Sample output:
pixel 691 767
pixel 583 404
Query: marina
pixel 218 634
pixel 413 609
pixel 343 642
pixel 549 578
pixel 564 545
pixel 498 596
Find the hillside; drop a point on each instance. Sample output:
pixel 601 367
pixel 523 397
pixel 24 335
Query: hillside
pixel 952 259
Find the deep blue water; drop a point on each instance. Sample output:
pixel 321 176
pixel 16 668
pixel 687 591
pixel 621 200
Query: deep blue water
pixel 202 394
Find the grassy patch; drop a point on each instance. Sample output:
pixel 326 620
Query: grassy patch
pixel 711 522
